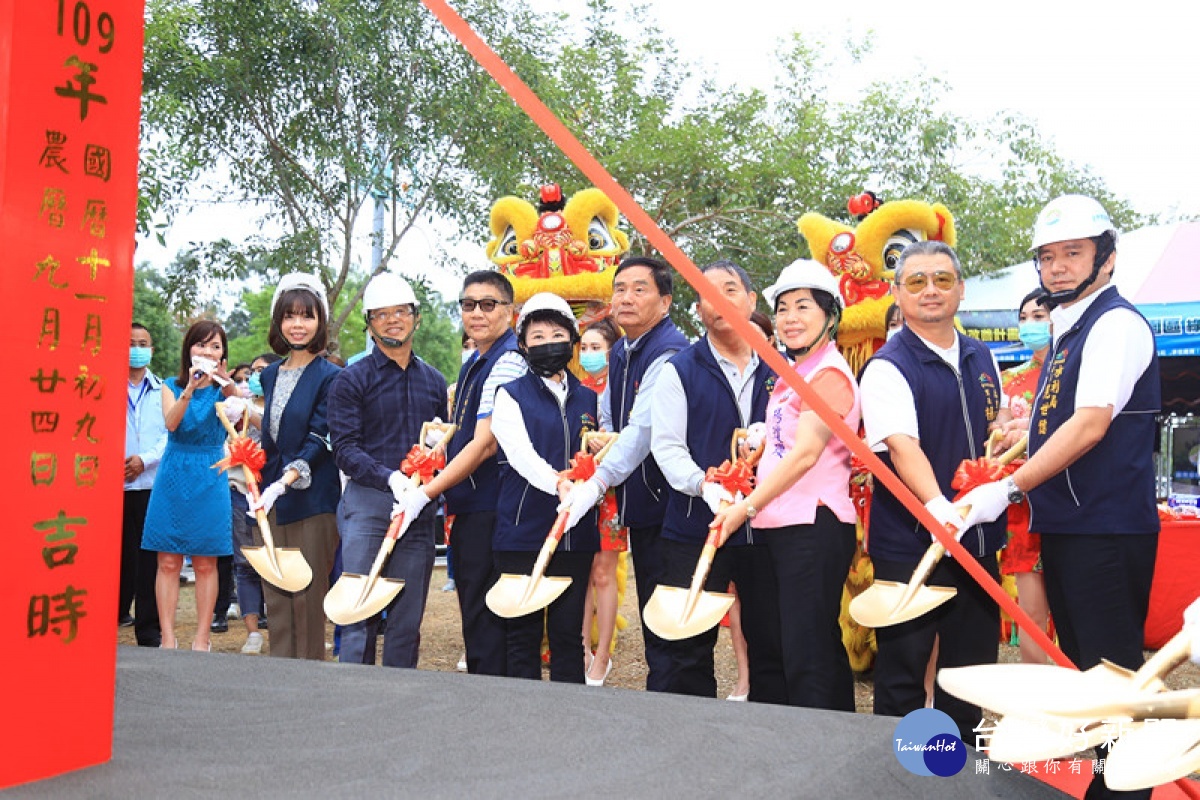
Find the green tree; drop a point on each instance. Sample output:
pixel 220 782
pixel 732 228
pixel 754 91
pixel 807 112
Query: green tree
pixel 314 109
pixel 150 309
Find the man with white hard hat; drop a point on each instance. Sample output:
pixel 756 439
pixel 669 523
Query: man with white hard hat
pixel 376 409
pixel 1090 473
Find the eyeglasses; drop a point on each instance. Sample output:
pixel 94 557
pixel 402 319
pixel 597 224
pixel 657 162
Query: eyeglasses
pixel 487 304
pixel 403 312
pixel 916 282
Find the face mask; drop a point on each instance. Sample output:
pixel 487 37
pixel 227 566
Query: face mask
pixel 140 356
pixel 244 389
pixel 255 384
pixel 892 332
pixel 1035 334
pixel 593 362
pixel 546 360
pixel 466 355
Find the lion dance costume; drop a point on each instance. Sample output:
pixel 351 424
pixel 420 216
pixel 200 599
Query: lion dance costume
pixel 863 259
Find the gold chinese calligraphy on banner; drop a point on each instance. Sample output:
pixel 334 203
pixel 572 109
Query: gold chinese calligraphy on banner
pixel 70 83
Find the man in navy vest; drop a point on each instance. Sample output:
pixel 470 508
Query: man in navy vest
pixel 641 303
pixel 705 393
pixel 1090 474
pixel 929 397
pixel 470 479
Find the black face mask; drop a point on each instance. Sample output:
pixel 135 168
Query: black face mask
pixel 546 360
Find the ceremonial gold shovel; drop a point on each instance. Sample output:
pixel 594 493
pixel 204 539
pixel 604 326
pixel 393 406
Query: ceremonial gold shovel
pixel 1053 711
pixel 676 613
pixel 354 597
pixel 1156 753
pixel 886 603
pixel 283 567
pixel 517 595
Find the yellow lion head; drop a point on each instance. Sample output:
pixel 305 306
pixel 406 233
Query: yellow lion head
pixel 569 248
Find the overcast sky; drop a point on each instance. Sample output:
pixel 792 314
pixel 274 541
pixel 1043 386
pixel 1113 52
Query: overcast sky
pixel 1117 91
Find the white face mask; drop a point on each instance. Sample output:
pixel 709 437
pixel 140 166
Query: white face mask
pixel 466 355
pixel 892 332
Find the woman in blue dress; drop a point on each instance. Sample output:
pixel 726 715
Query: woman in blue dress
pixel 189 511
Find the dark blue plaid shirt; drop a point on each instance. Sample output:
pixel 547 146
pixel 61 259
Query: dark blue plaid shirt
pixel 376 410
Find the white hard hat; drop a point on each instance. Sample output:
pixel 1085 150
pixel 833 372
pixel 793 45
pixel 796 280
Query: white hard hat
pixel 804 273
pixel 386 290
pixel 545 301
pixel 300 280
pixel 1072 216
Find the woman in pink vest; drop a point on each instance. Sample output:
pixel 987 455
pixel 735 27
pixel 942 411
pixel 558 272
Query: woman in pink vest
pixel 801 504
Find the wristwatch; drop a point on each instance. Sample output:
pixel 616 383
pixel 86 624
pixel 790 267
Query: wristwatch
pixel 1015 495
pixel 751 511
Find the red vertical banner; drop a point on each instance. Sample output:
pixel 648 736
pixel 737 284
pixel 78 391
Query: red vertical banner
pixel 70 85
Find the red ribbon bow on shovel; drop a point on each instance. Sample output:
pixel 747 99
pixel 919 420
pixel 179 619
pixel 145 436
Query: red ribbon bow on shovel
pixel 244 452
pixel 423 462
pixel 734 477
pixel 583 466
pixel 972 473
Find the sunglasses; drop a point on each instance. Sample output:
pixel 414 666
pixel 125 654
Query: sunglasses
pixel 916 282
pixel 488 305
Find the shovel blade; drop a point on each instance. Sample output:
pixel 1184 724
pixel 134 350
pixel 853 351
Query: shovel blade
pixel 666 612
pixel 507 598
pixel 877 606
pixel 293 574
pixel 1040 689
pixel 345 603
pixel 1153 755
pixel 1019 738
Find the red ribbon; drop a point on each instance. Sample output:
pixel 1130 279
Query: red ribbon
pixel 423 462
pixel 244 452
pixel 583 466
pixel 855 290
pixel 973 473
pixel 734 478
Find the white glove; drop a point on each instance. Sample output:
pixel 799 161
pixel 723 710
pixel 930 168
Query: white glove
pixel 399 483
pixel 987 503
pixel 946 513
pixel 582 499
pixel 410 505
pixel 266 500
pixel 234 408
pixel 1191 624
pixel 714 494
pixel 755 435
pixel 435 435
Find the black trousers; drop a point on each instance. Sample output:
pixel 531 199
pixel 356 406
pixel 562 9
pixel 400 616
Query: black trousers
pixel 138 570
pixel 649 568
pixel 1098 587
pixel 810 564
pixel 562 620
pixel 967 629
pixel 224 586
pixel 747 566
pixel 474 573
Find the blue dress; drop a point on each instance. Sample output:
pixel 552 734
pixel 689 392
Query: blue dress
pixel 189 510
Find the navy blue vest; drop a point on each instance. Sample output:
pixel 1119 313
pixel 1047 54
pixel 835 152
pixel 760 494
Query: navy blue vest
pixel 641 499
pixel 525 514
pixel 953 414
pixel 478 491
pixel 1110 489
pixel 713 416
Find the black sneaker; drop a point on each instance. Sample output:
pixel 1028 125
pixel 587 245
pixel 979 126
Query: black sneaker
pixel 126 621
pixel 262 622
pixel 219 624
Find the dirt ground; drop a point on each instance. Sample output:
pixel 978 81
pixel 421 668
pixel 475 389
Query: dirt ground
pixel 441 644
